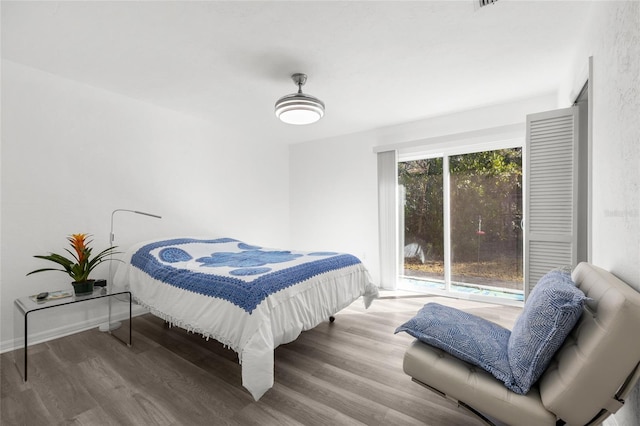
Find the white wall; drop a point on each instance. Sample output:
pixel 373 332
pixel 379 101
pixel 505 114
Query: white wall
pixel 72 153
pixel 334 197
pixel 616 140
pixel 614 42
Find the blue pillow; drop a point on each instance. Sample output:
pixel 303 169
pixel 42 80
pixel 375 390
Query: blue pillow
pixel 465 336
pixel 550 313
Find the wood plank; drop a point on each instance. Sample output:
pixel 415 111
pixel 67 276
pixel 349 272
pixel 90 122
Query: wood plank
pixel 348 372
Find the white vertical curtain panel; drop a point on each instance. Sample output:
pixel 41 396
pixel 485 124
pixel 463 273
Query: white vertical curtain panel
pixel 388 218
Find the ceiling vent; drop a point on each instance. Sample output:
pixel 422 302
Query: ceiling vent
pixel 486 2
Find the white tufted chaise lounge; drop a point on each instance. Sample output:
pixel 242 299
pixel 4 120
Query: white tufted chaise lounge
pixel 587 380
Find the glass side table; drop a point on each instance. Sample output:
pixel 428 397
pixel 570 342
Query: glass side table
pixel 25 306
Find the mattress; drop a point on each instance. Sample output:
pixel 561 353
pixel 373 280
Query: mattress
pixel 249 298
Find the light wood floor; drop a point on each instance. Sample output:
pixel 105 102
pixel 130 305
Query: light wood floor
pixel 345 373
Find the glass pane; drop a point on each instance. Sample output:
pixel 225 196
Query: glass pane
pixel 486 214
pixel 421 190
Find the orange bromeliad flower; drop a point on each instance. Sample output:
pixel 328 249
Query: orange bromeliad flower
pixel 79 243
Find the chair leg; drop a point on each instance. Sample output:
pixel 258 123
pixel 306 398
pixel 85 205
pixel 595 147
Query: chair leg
pixel 460 404
pixel 476 413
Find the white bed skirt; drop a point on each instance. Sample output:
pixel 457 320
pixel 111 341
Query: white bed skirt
pixel 278 319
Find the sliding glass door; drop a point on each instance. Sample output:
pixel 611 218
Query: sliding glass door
pixel 421 193
pixel 461 226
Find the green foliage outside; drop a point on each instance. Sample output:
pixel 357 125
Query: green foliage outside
pixel 486 206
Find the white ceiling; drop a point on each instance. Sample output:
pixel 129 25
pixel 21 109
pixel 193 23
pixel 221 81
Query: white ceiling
pixel 373 63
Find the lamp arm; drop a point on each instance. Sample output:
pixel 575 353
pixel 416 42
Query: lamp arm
pixel 111 235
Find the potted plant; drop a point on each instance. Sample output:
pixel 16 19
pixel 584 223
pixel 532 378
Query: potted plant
pixel 80 265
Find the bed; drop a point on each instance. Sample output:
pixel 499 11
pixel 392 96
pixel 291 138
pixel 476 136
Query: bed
pixel 249 298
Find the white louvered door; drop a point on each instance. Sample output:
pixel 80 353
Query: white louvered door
pixel 551 219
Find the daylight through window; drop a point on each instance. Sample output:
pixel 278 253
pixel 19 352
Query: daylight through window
pixel 461 231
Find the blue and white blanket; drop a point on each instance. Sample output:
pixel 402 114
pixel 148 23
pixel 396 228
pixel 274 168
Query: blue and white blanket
pixel 249 298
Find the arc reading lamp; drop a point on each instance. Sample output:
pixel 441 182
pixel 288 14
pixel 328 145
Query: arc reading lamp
pixel 109 326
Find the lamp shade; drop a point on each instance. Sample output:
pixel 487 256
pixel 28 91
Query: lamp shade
pixel 299 108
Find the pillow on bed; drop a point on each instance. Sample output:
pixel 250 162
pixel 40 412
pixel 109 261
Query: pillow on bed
pixel 550 313
pixel 465 336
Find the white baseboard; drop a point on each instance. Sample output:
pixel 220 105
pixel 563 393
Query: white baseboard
pixel 56 333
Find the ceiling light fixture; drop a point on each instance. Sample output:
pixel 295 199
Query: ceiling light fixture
pixel 299 108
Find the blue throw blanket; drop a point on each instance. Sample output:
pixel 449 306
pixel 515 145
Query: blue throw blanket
pixel 229 269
